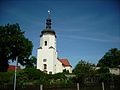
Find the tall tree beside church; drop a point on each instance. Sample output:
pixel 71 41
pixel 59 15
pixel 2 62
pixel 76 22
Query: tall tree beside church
pixel 110 59
pixel 13 44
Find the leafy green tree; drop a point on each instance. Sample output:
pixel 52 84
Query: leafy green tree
pixel 106 77
pixel 13 44
pixel 82 70
pixel 6 78
pixel 56 79
pixel 59 76
pixel 103 70
pixel 110 59
pixel 83 67
pixel 104 74
pixel 30 75
pixel 35 76
pixel 31 62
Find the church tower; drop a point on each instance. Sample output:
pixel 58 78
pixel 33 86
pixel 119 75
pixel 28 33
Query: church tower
pixel 46 54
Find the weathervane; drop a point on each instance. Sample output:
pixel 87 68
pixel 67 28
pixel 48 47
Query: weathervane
pixel 48 13
pixel 48 21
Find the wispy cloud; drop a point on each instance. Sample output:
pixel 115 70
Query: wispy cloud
pixel 111 39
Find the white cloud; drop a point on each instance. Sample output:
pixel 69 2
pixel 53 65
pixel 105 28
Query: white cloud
pixel 98 39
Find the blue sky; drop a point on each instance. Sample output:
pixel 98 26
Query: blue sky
pixel 85 29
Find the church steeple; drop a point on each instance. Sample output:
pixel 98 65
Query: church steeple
pixel 48 29
pixel 47 54
pixel 48 22
pixel 47 60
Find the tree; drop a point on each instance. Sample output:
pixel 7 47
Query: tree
pixel 13 44
pixel 103 70
pixel 110 59
pixel 30 76
pixel 6 78
pixel 82 70
pixel 104 74
pixel 31 62
pixel 83 67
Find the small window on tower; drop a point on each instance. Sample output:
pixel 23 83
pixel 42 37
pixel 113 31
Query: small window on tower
pixel 45 43
pixel 45 66
pixel 44 60
pixel 50 72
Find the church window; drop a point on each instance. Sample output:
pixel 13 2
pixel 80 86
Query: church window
pixel 44 60
pixel 45 66
pixel 45 43
pixel 50 72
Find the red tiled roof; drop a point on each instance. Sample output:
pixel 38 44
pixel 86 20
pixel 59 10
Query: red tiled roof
pixel 65 62
pixel 12 67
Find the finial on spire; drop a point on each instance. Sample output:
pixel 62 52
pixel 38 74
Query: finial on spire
pixel 49 13
pixel 48 21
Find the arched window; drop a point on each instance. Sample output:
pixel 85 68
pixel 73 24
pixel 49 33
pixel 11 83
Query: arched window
pixel 45 43
pixel 50 72
pixel 45 66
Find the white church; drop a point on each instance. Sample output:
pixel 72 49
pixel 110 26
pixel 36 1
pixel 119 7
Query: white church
pixel 47 57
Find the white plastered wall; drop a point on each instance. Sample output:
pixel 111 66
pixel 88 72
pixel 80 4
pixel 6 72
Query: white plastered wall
pixel 45 52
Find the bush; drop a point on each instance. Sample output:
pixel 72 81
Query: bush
pixel 6 78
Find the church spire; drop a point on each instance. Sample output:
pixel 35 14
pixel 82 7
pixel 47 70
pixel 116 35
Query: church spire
pixel 48 29
pixel 48 22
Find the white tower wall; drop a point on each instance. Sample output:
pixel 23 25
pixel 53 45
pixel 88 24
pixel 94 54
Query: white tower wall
pixel 47 54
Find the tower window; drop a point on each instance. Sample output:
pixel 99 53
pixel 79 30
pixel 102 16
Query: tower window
pixel 50 72
pixel 45 43
pixel 45 66
pixel 44 60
